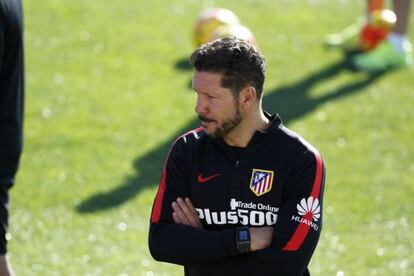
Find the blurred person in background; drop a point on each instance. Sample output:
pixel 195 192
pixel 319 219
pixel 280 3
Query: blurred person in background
pixel 11 111
pixel 394 49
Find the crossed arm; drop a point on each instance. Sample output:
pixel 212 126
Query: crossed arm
pixel 185 213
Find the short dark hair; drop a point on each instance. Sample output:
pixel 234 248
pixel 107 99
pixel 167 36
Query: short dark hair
pixel 239 62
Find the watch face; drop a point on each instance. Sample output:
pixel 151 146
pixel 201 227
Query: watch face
pixel 243 235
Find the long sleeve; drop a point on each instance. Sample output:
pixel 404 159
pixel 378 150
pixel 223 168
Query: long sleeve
pixel 299 223
pixel 11 87
pixel 182 244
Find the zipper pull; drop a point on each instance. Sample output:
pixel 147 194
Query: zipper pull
pixel 237 163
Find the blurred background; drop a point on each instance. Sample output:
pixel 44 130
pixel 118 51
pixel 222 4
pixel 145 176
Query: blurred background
pixel 107 91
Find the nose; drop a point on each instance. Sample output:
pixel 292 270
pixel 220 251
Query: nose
pixel 200 107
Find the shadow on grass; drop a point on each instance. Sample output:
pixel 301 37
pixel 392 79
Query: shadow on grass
pixel 291 102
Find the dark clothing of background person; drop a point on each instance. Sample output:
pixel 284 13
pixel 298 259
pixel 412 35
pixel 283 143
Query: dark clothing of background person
pixel 11 103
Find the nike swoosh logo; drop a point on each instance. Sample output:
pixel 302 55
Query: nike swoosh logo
pixel 208 178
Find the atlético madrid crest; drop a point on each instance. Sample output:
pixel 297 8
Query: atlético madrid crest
pixel 261 181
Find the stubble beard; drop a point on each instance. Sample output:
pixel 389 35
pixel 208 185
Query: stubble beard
pixel 228 125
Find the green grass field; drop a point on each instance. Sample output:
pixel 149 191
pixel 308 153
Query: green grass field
pixel 107 90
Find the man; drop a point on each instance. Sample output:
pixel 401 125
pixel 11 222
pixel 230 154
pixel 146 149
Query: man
pixel 11 110
pixel 242 194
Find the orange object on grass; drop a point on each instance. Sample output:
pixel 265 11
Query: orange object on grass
pixel 374 5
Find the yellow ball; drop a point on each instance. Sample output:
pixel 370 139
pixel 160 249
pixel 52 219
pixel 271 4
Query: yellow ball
pixel 239 31
pixel 208 20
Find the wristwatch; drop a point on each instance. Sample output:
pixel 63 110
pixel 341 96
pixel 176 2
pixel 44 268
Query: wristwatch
pixel 243 239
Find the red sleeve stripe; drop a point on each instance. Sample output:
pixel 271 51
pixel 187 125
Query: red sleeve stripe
pixel 156 210
pixel 303 229
pixel 317 184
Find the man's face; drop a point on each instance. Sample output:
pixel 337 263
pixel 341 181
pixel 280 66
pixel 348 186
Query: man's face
pixel 217 108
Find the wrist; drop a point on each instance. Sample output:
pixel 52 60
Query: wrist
pixel 243 239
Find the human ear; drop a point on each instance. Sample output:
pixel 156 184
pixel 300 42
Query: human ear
pixel 247 96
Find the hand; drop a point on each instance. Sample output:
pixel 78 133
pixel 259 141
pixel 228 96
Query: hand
pixel 261 237
pixel 185 213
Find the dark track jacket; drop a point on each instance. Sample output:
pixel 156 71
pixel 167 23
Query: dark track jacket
pixel 11 87
pixel 277 180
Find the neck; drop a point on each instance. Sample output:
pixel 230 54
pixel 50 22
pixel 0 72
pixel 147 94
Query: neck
pixel 241 135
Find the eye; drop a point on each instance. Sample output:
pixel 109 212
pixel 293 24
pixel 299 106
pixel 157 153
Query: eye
pixel 212 96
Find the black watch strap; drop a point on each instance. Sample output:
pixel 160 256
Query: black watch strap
pixel 243 239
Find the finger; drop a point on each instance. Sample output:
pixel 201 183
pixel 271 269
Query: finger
pixel 176 218
pixel 180 214
pixel 195 217
pixel 191 206
pixel 189 212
